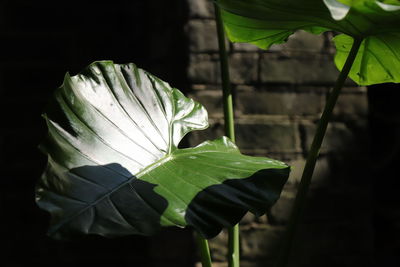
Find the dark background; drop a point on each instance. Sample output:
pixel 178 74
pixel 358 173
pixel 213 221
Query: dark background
pixel 384 114
pixel 41 40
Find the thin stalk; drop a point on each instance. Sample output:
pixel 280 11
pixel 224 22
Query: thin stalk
pixel 308 171
pixel 205 256
pixel 233 246
pixel 233 233
pixel 226 85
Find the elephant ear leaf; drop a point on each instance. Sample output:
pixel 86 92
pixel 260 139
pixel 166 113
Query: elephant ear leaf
pixel 376 22
pixel 114 167
pixel 378 60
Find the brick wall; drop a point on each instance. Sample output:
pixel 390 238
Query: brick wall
pixel 279 95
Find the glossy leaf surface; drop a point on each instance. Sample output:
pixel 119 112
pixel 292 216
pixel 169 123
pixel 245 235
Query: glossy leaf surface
pixel 267 22
pixel 114 167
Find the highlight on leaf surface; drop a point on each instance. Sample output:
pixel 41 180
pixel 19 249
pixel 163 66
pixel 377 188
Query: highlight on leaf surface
pixel 267 22
pixel 114 167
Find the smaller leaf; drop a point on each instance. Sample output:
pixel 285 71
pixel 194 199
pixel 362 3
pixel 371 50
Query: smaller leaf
pixel 378 60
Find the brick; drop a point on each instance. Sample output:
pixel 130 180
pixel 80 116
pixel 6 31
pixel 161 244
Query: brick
pixel 211 100
pixel 244 47
pixel 280 103
pixel 320 173
pixel 202 36
pixel 261 243
pixel 300 69
pixel 281 210
pixel 255 133
pixel 218 246
pixel 354 89
pixel 244 68
pixel 351 106
pixel 204 68
pixel 249 218
pixel 301 41
pixel 215 130
pixel 316 89
pixel 204 87
pixel 338 137
pixel 200 8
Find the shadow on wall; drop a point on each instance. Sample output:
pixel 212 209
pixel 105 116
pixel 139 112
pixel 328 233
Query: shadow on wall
pixel 336 229
pixel 352 215
pixel 385 131
pixel 337 226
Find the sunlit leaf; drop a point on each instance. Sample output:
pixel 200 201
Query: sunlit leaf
pixel 267 22
pixel 377 60
pixel 114 167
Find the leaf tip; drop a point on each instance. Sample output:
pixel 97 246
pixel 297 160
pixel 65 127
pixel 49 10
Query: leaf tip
pixel 337 9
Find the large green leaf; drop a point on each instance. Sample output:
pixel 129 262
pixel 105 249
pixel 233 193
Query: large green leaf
pixel 267 22
pixel 114 167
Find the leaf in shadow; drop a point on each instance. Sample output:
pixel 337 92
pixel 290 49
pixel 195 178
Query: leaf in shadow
pixel 225 204
pixel 92 206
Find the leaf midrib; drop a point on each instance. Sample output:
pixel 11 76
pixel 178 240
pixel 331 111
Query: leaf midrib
pixel 166 158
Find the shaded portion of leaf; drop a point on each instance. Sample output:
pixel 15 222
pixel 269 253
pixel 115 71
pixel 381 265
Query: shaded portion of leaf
pixel 188 172
pixel 223 205
pixel 84 206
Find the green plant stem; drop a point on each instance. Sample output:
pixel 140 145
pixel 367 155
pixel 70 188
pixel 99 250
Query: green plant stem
pixel 308 171
pixel 226 86
pixel 233 246
pixel 233 233
pixel 205 256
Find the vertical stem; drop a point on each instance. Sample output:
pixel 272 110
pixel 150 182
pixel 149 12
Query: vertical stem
pixel 233 246
pixel 226 86
pixel 205 256
pixel 233 239
pixel 305 181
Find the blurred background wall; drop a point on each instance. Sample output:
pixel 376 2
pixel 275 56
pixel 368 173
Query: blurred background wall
pixel 353 215
pixel 279 96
